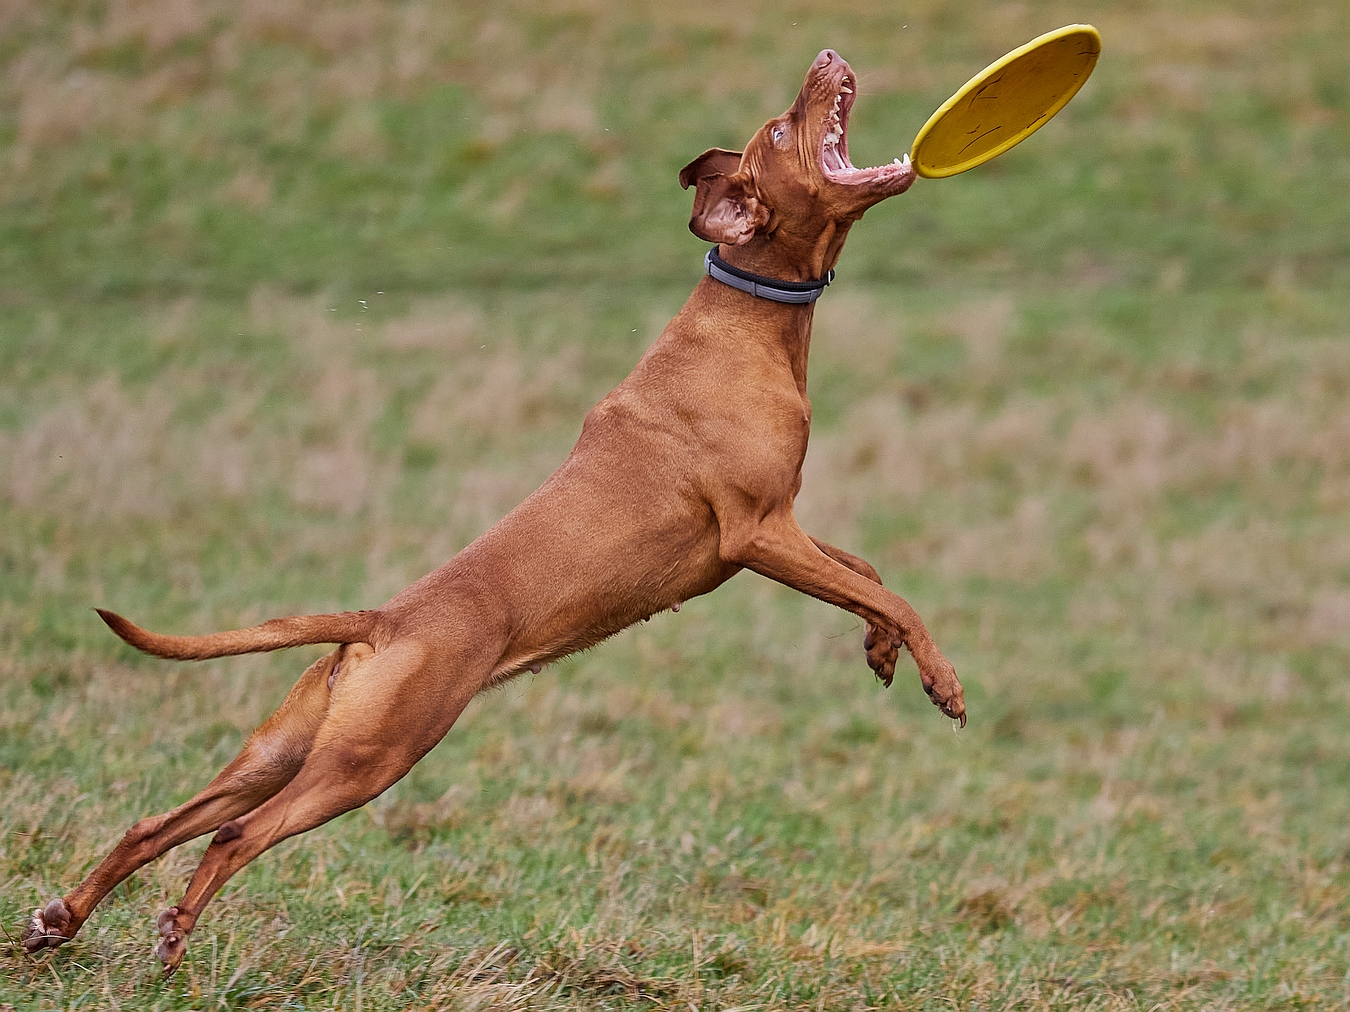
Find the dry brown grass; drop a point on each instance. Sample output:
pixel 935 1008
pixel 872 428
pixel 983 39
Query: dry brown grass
pixel 351 53
pixel 1128 456
pixel 1135 553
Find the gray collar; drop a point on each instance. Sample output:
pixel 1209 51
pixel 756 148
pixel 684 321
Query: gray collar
pixel 762 287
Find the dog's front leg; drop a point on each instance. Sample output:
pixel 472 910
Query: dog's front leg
pixel 776 547
pixel 881 651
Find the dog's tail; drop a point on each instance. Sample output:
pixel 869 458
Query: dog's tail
pixel 343 627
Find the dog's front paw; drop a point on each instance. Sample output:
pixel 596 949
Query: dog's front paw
pixel 172 945
pixel 882 654
pixel 48 926
pixel 943 687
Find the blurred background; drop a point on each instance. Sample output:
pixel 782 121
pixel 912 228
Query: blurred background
pixel 299 298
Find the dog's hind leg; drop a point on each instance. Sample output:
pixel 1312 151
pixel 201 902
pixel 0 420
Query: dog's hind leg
pixel 387 712
pixel 272 756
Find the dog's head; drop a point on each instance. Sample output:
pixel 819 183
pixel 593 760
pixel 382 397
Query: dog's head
pixel 794 184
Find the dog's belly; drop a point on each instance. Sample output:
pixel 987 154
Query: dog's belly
pixel 624 529
pixel 583 558
pixel 588 585
pixel 580 621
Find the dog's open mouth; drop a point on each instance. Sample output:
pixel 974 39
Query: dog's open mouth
pixel 834 147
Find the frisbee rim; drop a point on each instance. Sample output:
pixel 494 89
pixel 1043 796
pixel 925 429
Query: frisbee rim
pixel 942 171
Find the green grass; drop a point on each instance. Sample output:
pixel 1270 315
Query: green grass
pixel 297 302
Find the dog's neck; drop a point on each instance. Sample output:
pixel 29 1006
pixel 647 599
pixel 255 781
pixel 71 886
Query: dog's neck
pixel 786 257
pixel 789 256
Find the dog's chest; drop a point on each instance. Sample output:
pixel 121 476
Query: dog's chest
pixel 770 447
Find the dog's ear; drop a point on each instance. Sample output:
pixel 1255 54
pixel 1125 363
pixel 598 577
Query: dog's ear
pixel 710 163
pixel 726 210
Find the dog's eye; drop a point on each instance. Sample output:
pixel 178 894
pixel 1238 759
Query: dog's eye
pixel 779 132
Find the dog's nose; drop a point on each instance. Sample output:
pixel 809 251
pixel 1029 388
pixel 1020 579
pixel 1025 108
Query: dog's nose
pixel 826 57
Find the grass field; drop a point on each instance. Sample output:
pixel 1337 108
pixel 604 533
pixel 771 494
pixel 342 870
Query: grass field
pixel 298 299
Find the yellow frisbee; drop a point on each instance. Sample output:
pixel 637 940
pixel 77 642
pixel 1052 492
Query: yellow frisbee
pixel 1007 102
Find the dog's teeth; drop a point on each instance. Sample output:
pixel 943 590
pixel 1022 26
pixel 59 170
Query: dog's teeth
pixel 845 89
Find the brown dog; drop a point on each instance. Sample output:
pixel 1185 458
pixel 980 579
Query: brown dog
pixel 683 476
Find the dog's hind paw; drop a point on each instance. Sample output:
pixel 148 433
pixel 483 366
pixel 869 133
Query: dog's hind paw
pixel 47 927
pixel 172 946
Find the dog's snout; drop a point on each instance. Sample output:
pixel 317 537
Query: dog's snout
pixel 829 66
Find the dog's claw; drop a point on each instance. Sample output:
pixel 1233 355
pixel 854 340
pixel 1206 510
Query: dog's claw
pixel 45 929
pixel 935 671
pixel 172 946
pixel 944 688
pixel 170 950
